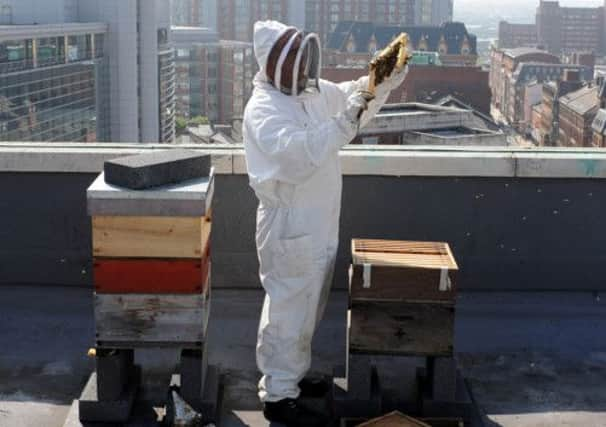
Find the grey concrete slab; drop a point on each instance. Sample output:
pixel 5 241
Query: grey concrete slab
pixel 156 168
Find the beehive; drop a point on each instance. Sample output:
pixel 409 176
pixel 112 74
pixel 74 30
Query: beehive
pixel 152 263
pixel 402 298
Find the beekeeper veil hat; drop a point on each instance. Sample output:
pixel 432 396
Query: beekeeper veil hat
pixel 289 59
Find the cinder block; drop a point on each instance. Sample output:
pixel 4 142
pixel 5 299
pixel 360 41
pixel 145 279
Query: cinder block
pixel 462 406
pixel 346 404
pixel 156 169
pixel 359 377
pixel 114 370
pixel 194 363
pixel 212 398
pixel 443 377
pixel 93 410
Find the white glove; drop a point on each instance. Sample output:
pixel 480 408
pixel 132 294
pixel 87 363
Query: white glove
pixel 396 79
pixel 357 103
pixel 349 120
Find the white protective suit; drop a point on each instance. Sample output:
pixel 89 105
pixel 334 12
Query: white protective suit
pixel 292 150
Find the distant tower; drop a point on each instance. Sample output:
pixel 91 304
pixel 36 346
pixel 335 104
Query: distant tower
pixel 549 26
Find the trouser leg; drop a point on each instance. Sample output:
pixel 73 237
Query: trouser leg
pixel 284 346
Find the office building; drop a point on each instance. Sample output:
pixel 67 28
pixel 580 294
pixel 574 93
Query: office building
pixel 559 30
pixel 141 61
pixel 236 18
pixel 194 13
pixel 54 83
pixel 139 54
pixel 568 29
pixel 517 35
pixel 433 12
pixel 214 77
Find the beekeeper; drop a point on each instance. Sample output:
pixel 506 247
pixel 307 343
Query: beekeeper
pixel 294 126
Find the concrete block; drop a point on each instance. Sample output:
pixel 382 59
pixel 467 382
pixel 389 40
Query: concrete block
pixel 91 409
pixel 156 169
pixel 114 370
pixel 443 378
pixel 359 376
pixel 350 405
pixel 212 397
pixel 462 406
pixel 191 198
pixel 193 367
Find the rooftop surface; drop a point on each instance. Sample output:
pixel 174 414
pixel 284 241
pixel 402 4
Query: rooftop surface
pixel 583 100
pixel 47 331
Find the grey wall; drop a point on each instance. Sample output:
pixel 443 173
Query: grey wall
pixel 507 234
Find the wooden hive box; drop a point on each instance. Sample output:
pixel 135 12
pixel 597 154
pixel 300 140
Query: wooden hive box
pixel 151 258
pixel 402 298
pixel 385 270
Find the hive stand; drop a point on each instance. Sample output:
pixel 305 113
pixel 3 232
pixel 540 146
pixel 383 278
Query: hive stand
pixel 402 304
pixel 152 274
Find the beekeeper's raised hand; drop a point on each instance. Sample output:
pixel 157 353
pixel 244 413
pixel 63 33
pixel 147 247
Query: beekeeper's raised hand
pixel 357 103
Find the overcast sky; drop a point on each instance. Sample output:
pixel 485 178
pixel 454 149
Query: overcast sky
pixel 520 11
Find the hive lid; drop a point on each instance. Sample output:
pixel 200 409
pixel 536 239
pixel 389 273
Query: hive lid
pixel 189 198
pixel 393 253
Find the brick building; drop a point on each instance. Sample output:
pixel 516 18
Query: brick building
pixel 599 129
pixel 354 43
pixel 578 110
pixel 559 29
pixel 533 95
pixel 553 92
pixel 503 64
pixel 323 16
pixel 429 84
pixel 568 29
pixel 517 35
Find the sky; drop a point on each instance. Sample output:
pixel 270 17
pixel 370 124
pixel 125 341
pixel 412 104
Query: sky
pixel 515 11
